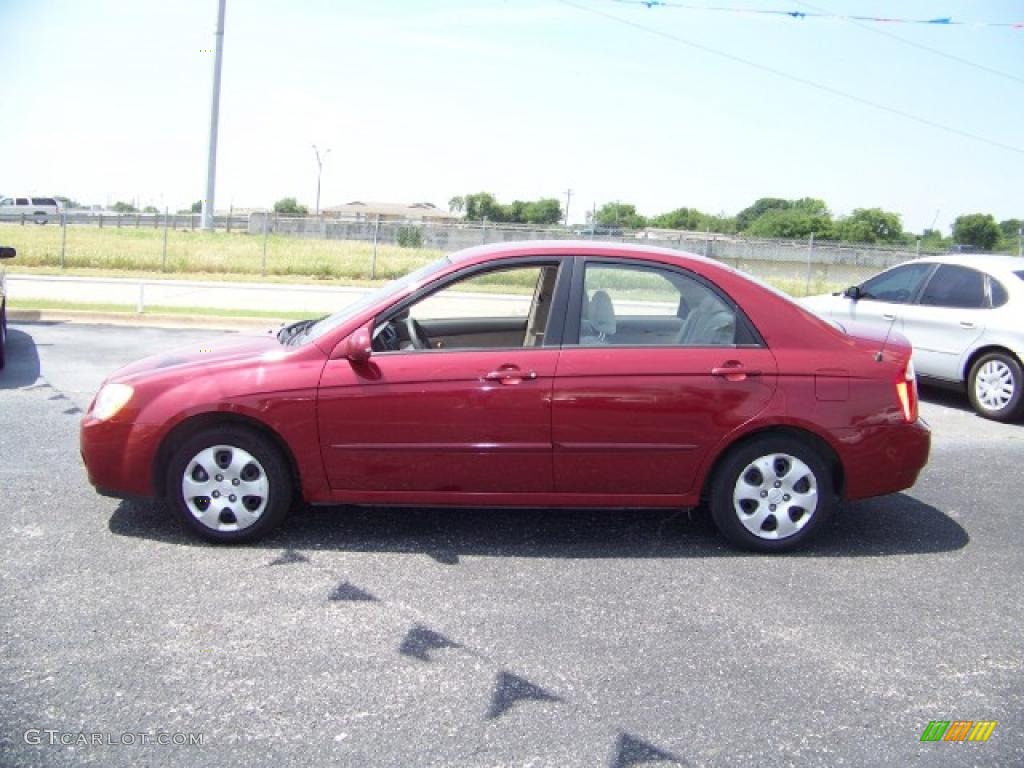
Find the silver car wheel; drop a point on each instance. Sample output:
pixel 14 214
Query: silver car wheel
pixel 775 496
pixel 994 385
pixel 225 488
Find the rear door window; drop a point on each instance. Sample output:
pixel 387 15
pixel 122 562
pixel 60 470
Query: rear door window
pixel 957 287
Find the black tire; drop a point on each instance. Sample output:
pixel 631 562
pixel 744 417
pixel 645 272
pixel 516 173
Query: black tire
pixel 985 372
pixel 239 442
pixel 40 217
pixel 796 472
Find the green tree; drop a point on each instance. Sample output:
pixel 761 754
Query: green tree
pixel 457 204
pixel 122 207
pixel 977 229
pixel 681 218
pixel 870 225
pixel 547 210
pixel 1010 229
pixel 151 209
pixel 67 203
pixel 749 215
pixel 622 215
pixel 288 206
pixel 932 240
pixel 483 205
pixel 792 223
pixel 197 206
pixel 721 223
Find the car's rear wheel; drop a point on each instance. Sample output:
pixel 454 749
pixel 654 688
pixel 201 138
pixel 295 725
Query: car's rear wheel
pixel 772 494
pixel 229 485
pixel 995 386
pixel 40 217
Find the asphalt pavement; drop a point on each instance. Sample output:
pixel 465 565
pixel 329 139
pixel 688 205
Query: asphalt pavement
pixel 419 637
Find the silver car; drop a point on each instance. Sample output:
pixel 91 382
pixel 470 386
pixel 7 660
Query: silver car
pixel 963 313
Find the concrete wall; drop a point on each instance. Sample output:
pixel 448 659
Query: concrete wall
pixel 824 263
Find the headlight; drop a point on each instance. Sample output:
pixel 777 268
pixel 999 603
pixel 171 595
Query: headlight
pixel 111 399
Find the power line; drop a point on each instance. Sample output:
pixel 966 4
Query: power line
pixel 821 13
pixel 921 46
pixel 795 78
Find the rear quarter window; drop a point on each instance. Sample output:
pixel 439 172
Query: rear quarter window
pixel 998 290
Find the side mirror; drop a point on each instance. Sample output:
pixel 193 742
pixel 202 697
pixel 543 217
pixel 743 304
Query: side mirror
pixel 853 292
pixel 359 347
pixel 7 252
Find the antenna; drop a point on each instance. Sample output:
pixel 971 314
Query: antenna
pixel 879 354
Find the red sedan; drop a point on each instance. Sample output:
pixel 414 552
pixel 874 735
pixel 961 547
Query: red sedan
pixel 526 374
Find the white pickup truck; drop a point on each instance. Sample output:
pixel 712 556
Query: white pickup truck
pixel 39 209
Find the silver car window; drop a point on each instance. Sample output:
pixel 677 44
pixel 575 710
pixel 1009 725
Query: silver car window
pixel 956 286
pixel 897 285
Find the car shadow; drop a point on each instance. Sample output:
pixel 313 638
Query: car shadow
pixel 892 525
pixel 947 398
pixel 22 366
pixel 953 399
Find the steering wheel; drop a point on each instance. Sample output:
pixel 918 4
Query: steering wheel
pixel 414 331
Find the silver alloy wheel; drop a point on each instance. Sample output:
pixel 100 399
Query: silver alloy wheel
pixel 225 488
pixel 775 496
pixel 994 385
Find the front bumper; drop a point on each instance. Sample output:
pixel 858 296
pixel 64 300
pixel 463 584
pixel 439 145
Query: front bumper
pixel 119 457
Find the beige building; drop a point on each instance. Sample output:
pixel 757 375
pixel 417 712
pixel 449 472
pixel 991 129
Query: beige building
pixel 365 211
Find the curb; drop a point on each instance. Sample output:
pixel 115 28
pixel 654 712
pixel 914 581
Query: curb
pixel 145 320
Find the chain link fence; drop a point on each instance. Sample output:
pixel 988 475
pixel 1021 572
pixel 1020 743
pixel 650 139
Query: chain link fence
pixel 262 243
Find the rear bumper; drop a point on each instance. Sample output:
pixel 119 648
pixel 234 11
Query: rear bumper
pixel 119 457
pixel 884 459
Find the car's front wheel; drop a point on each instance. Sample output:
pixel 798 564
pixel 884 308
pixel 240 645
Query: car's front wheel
pixel 772 494
pixel 229 485
pixel 995 386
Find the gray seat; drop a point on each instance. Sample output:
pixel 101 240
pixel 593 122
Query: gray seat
pixel 599 322
pixel 711 324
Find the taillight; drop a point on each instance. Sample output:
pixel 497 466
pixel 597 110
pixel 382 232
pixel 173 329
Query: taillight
pixel 906 390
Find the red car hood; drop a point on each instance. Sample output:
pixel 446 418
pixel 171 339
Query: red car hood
pixel 213 353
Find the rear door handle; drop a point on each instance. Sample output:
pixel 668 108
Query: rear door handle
pixel 734 372
pixel 966 324
pixel 888 315
pixel 510 375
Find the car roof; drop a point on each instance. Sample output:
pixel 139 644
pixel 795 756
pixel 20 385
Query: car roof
pixel 576 248
pixel 995 263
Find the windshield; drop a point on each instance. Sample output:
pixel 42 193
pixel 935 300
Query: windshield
pixel 329 323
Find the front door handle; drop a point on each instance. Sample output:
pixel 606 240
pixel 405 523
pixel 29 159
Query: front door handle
pixel 510 374
pixel 731 371
pixel 888 315
pixel 966 324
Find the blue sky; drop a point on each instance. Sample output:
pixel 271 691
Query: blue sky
pixel 107 100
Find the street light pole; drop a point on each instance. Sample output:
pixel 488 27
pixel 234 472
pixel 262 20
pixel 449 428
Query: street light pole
pixel 211 158
pixel 568 199
pixel 319 171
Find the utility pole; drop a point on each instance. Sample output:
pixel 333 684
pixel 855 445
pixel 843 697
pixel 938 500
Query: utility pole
pixel 319 171
pixel 568 199
pixel 211 159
